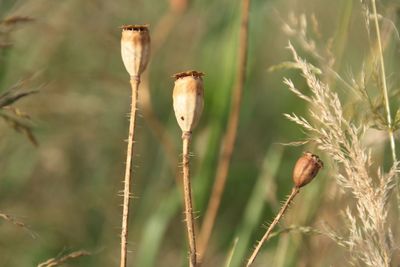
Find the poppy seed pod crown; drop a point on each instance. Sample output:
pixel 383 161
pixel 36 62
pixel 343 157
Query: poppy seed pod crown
pixel 188 99
pixel 135 48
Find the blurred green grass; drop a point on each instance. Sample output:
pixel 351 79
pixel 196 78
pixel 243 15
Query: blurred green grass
pixel 67 188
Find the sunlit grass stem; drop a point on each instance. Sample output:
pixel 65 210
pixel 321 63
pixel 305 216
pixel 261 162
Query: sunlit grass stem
pixel 386 97
pixel 384 85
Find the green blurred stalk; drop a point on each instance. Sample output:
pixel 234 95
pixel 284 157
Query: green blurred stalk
pixel 256 203
pixel 231 253
pixel 155 228
pixel 342 31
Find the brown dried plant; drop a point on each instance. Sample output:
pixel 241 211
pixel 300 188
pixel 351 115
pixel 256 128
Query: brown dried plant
pixel 188 101
pixel 135 51
pixel 17 223
pixel 369 237
pixel 13 116
pixel 57 261
pixel 305 169
pixel 7 26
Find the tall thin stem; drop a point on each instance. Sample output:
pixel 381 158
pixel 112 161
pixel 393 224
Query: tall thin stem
pixel 128 171
pixel 230 135
pixel 187 190
pixel 253 256
pixel 384 86
pixel 386 97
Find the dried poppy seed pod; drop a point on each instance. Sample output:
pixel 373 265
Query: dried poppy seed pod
pixel 188 99
pixel 135 48
pixel 306 168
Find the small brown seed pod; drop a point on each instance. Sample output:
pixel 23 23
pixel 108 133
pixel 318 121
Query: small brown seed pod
pixel 188 99
pixel 306 168
pixel 135 48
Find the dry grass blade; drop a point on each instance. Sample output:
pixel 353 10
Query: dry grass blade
pixel 11 97
pixel 14 20
pixel 229 137
pixel 309 231
pixel 296 229
pixel 20 122
pixel 17 223
pixel 17 119
pixel 60 260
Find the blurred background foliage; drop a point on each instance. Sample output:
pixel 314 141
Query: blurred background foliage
pixel 66 188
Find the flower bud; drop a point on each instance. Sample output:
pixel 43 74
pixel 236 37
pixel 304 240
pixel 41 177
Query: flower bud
pixel 306 168
pixel 135 48
pixel 188 99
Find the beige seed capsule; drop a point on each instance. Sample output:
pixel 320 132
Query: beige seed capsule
pixel 135 48
pixel 188 99
pixel 306 168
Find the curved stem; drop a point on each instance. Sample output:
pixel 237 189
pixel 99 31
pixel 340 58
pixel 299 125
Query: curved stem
pixel 128 171
pixel 187 190
pixel 253 256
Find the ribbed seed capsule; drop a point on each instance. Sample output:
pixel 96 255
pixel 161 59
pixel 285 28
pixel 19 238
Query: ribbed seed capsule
pixel 188 99
pixel 135 48
pixel 306 168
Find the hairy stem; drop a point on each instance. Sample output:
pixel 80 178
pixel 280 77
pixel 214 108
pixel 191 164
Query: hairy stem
pixel 384 86
pixel 253 256
pixel 229 137
pixel 128 171
pixel 187 191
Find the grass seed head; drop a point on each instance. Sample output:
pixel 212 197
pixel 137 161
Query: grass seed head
pixel 135 48
pixel 306 168
pixel 188 99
